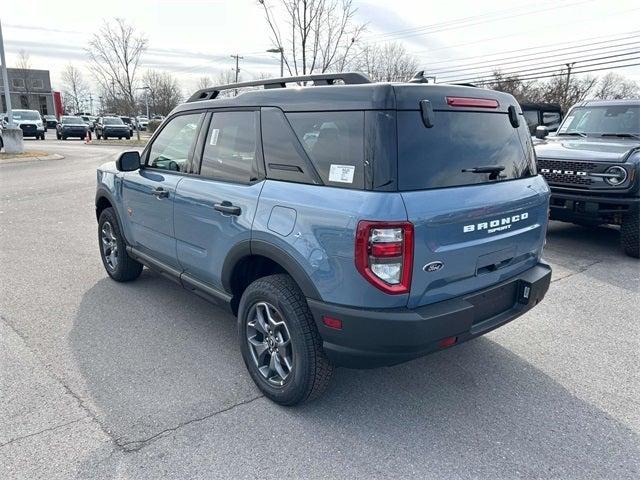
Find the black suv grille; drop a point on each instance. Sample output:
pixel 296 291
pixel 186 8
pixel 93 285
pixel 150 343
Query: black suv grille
pixel 555 171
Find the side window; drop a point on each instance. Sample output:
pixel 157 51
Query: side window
pixel 551 119
pixel 334 142
pixel 170 149
pixel 230 149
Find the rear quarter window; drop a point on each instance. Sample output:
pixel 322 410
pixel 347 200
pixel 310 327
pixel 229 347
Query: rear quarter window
pixel 334 141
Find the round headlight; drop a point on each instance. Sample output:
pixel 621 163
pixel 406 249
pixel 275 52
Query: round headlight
pixel 617 176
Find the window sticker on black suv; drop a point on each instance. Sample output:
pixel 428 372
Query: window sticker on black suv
pixel 334 142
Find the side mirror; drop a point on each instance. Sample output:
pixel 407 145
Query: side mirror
pixel 128 161
pixel 541 132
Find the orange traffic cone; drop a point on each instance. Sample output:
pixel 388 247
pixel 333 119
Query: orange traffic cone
pixel 87 137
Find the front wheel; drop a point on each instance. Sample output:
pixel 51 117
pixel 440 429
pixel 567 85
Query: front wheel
pixel 113 251
pixel 280 343
pixel 630 233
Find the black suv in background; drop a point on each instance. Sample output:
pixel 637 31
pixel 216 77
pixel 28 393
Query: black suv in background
pixel 548 115
pixel 111 127
pixel 593 167
pixel 71 126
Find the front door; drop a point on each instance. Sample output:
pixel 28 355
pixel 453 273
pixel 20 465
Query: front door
pixel 214 210
pixel 149 193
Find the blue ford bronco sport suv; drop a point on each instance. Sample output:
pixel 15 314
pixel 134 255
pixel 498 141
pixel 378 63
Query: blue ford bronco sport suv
pixel 593 167
pixel 345 223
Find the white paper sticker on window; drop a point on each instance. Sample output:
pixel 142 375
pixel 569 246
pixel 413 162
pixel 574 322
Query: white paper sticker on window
pixel 341 173
pixel 214 136
pixel 566 123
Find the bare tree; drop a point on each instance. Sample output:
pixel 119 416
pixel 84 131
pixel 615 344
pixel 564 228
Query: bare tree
pixel 114 53
pixel 164 91
pixel 524 91
pixel 24 73
pixel 613 86
pixel 387 63
pixel 74 88
pixel 315 35
pixel 204 82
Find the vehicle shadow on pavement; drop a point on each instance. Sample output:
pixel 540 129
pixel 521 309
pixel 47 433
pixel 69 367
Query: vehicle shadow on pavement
pixel 159 362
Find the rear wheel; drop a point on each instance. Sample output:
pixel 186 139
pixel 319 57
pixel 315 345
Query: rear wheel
pixel 64 137
pixel 630 233
pixel 105 137
pixel 280 344
pixel 113 250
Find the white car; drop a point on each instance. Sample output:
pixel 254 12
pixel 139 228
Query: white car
pixel 142 122
pixel 30 122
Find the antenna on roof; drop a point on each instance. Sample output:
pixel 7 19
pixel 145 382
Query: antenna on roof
pixel 420 78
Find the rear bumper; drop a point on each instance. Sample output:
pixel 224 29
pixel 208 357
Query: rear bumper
pixel 373 338
pixel 595 208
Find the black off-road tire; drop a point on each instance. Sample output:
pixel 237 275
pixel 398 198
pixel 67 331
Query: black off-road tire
pixel 126 268
pixel 105 137
pixel 311 372
pixel 630 233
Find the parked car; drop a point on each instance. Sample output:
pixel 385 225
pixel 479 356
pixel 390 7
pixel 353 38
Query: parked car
pixel 414 222
pixel 50 121
pixel 593 167
pixel 30 122
pixel 142 122
pixel 129 123
pixel 545 114
pixel 71 126
pixel 111 127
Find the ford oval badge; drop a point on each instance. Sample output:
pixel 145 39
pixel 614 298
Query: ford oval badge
pixel 433 266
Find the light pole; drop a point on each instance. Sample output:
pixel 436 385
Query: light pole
pixel 279 50
pixel 12 136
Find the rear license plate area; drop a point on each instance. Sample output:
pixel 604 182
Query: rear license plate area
pixel 493 302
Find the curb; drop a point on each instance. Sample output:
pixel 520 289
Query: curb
pixel 53 156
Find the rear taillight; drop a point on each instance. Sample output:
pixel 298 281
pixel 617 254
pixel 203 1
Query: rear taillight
pixel 384 254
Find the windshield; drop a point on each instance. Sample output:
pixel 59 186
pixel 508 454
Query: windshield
pixel 462 148
pixel 25 115
pixel 113 121
pixel 599 120
pixel 71 120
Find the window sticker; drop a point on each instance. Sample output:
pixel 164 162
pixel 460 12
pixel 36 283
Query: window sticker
pixel 214 136
pixel 341 173
pixel 566 123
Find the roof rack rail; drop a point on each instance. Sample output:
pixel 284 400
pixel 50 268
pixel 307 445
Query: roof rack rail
pixel 349 78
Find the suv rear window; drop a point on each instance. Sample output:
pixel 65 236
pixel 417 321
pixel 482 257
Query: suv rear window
pixel 334 142
pixel 435 157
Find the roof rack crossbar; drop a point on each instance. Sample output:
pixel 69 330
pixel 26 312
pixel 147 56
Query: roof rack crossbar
pixel 348 78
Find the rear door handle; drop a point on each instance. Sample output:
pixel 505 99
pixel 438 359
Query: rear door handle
pixel 160 192
pixel 228 208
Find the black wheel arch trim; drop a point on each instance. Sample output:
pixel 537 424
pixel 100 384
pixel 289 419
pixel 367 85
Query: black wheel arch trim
pixel 277 254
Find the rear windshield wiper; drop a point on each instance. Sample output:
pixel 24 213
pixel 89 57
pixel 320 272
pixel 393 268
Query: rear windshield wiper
pixel 622 135
pixel 579 134
pixel 493 170
pixel 485 169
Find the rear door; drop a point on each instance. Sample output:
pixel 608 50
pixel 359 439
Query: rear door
pixel 214 208
pixel 472 228
pixel 149 192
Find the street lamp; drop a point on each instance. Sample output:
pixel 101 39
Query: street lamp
pixel 146 96
pixel 279 50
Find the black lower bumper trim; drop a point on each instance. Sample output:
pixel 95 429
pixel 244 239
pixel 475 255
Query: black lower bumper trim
pixel 373 338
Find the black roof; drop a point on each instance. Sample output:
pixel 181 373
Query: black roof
pixel 554 107
pixel 355 94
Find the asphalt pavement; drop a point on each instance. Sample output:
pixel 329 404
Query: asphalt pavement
pixel 144 380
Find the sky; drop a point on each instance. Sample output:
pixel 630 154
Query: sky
pixel 195 38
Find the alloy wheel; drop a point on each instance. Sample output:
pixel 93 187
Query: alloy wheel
pixel 109 245
pixel 269 343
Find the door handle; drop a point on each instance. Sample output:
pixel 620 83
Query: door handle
pixel 160 192
pixel 227 207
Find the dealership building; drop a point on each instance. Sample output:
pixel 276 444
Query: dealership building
pixel 29 89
